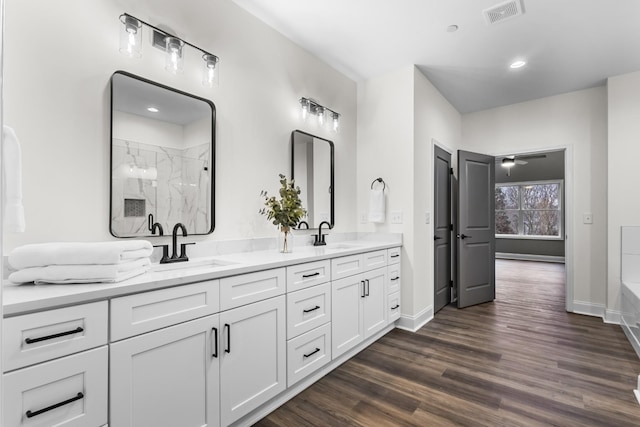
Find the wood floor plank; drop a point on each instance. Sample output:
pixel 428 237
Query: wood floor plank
pixel 521 360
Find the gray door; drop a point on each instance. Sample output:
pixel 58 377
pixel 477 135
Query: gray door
pixel 442 228
pixel 476 229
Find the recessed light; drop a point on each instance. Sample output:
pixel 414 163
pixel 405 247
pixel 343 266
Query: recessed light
pixel 152 109
pixel 452 28
pixel 518 64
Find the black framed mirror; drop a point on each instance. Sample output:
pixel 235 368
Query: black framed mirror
pixel 162 158
pixel 312 168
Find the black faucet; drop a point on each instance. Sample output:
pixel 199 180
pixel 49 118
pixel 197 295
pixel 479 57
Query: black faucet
pixel 319 239
pixel 303 222
pixel 183 246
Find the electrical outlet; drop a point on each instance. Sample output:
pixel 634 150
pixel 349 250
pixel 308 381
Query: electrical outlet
pixel 396 217
pixel 364 218
pixel 587 218
pixel 427 217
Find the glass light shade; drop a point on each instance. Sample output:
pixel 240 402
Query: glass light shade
pixel 507 163
pixel 131 36
pixel 304 105
pixel 336 121
pixel 320 112
pixel 211 70
pixel 174 60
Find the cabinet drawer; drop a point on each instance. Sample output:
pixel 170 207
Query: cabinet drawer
pixel 395 255
pixel 376 259
pixel 394 307
pixel 67 392
pixel 307 353
pixel 247 288
pixel 393 272
pixel 148 311
pixel 37 337
pixel 346 266
pixel 309 274
pixel 308 309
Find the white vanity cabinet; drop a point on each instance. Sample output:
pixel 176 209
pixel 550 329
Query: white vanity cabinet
pixel 167 378
pixel 61 356
pixel 359 299
pixel 394 271
pixel 253 366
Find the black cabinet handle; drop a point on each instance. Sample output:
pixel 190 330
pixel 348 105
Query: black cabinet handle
pixel 50 337
pixel 395 278
pixel 215 341
pixel 31 414
pixel 362 295
pixel 312 353
pixel 395 256
pixel 228 327
pixel 395 306
pixel 309 310
pixel 367 280
pixel 437 238
pixel 463 236
pixel 306 276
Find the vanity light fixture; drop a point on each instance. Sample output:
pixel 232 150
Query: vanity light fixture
pixel 131 45
pixel 310 106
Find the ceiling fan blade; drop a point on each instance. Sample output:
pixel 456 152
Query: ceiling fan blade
pixel 531 157
pixel 520 162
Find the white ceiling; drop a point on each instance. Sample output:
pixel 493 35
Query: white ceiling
pixel 569 44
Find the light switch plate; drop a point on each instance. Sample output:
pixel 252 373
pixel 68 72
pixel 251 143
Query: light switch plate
pixel 396 217
pixel 587 218
pixel 427 217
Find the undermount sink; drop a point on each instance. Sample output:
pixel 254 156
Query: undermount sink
pixel 193 263
pixel 343 246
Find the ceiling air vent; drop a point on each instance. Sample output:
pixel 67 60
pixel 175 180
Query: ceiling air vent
pixel 503 11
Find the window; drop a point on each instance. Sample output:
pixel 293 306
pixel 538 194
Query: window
pixel 529 210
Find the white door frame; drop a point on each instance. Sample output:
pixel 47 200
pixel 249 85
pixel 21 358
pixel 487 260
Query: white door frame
pixel 569 230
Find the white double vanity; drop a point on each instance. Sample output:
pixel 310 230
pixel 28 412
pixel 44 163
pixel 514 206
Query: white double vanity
pixel 218 341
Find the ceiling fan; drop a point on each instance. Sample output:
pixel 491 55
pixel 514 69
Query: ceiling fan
pixel 510 161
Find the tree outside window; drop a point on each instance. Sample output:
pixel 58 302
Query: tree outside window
pixel 529 209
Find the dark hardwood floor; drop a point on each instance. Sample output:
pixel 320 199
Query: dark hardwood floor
pixel 519 361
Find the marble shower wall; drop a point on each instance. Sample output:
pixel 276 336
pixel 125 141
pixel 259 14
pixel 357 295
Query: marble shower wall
pixel 171 184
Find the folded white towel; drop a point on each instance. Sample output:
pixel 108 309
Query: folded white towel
pixel 13 212
pixel 81 273
pixel 63 253
pixel 376 206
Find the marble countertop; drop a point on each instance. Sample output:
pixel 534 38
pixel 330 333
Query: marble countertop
pixel 26 298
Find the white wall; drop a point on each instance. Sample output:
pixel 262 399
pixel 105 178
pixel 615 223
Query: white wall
pixel 399 115
pixel 624 173
pixel 578 120
pixel 59 57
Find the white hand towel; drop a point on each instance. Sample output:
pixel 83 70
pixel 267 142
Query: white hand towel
pixel 13 214
pixel 81 273
pixel 376 206
pixel 43 254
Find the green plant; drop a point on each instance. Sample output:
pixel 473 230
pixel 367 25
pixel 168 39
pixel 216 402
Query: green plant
pixel 287 211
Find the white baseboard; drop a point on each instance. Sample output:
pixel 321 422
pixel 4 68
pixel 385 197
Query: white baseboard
pixel 612 316
pixel 530 257
pixel 270 406
pixel 632 338
pixel 589 309
pixel 413 323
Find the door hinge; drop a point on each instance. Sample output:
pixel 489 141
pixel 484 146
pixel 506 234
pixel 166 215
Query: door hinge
pixel 450 227
pixel 450 171
pixel 451 281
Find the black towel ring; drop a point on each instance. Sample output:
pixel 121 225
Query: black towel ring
pixel 384 185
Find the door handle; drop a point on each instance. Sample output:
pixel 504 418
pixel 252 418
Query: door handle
pixel 50 337
pixel 228 327
pixel 362 295
pixel 437 238
pixel 31 414
pixel 215 342
pixel 463 236
pixel 367 280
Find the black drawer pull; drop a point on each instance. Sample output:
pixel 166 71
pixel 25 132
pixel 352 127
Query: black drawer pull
pixel 309 310
pixel 367 293
pixel 306 276
pixel 215 340
pixel 363 294
pixel 395 256
pixel 50 337
pixel 395 306
pixel 312 353
pixel 395 278
pixel 30 414
pixel 228 349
